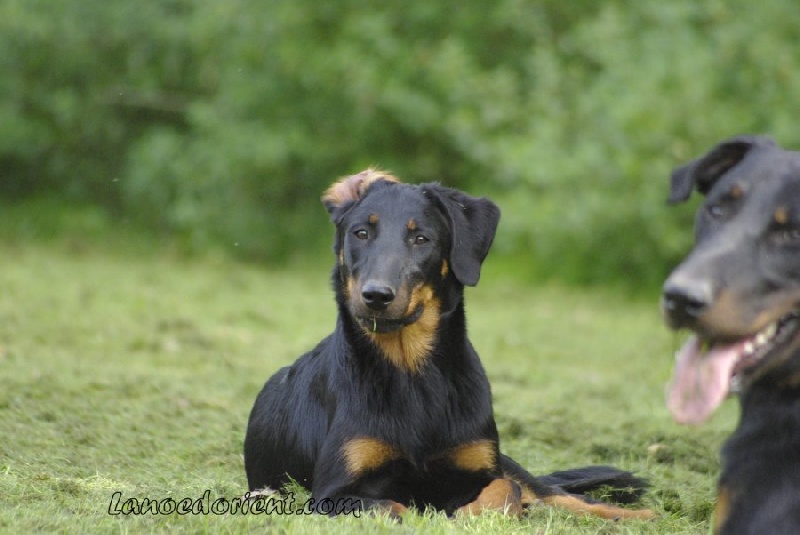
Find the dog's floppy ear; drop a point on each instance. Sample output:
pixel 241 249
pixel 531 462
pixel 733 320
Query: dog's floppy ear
pixel 703 172
pixel 342 194
pixel 473 223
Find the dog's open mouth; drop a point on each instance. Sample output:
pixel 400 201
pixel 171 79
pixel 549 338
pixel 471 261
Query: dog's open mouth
pixel 378 325
pixel 707 371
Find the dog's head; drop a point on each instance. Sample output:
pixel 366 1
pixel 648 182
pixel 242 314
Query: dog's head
pixel 398 246
pixel 738 290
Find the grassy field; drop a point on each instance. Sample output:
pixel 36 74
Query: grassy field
pixel 128 371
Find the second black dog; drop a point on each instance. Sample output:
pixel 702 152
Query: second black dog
pixel 739 291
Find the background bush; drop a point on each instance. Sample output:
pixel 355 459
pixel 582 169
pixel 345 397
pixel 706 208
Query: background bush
pixel 220 123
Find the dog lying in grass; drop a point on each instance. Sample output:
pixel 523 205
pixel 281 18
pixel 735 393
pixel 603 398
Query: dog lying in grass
pixel 393 409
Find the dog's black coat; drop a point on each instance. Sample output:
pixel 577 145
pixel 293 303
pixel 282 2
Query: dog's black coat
pixel 742 275
pixel 394 407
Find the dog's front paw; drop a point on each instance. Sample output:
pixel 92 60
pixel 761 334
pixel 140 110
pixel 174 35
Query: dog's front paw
pixel 501 495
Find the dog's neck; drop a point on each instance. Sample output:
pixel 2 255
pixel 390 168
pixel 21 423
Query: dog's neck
pixel 765 411
pixel 766 397
pixel 764 449
pixel 438 336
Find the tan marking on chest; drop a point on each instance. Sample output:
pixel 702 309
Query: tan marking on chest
pixel 408 348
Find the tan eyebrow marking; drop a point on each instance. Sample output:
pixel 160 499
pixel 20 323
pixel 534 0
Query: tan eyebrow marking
pixel 781 215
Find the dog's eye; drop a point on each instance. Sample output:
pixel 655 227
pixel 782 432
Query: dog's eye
pixel 716 210
pixel 361 234
pixel 420 239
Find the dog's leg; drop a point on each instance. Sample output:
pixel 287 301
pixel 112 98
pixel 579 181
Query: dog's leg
pixel 557 489
pixel 501 495
pixel 355 505
pixel 341 487
pixel 604 510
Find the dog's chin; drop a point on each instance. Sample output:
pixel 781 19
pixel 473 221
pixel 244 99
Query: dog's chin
pixel 379 324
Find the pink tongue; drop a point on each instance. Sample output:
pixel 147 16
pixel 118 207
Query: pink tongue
pixel 700 381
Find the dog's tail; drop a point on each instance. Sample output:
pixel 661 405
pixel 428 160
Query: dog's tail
pixel 568 489
pixel 620 486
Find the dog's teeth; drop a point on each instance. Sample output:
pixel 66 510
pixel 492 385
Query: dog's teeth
pixel 770 331
pixel 762 339
pixel 735 385
pixel 749 347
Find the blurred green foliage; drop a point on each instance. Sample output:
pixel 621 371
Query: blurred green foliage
pixel 221 123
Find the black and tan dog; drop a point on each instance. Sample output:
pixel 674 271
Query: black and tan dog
pixel 739 291
pixel 393 409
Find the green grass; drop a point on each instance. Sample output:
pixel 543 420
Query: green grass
pixel 131 370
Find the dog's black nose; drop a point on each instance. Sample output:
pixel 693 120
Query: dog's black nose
pixel 685 301
pixel 377 296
